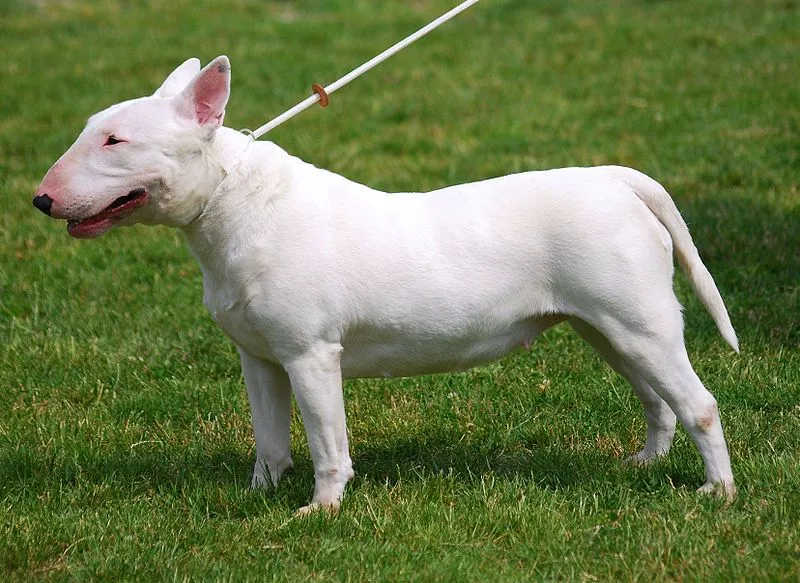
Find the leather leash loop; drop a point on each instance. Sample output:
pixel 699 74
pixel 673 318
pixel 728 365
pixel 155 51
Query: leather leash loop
pixel 323 96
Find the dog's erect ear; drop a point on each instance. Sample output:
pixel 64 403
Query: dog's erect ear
pixel 205 97
pixel 179 78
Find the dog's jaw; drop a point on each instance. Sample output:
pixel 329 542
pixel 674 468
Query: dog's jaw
pixel 112 215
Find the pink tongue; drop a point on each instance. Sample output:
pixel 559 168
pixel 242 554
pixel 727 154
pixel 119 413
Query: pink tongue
pixel 89 228
pixel 101 222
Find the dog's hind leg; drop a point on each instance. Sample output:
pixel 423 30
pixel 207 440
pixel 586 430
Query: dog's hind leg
pixel 660 418
pixel 269 393
pixel 650 340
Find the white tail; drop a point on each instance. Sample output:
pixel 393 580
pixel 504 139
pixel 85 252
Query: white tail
pixel 662 206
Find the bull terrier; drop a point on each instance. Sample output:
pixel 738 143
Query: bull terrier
pixel 317 278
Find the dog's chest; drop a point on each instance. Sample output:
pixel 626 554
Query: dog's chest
pixel 228 308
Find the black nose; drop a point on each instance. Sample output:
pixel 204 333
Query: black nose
pixel 43 203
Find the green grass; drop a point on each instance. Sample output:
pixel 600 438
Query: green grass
pixel 125 444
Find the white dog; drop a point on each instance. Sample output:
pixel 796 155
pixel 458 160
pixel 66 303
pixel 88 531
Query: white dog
pixel 316 278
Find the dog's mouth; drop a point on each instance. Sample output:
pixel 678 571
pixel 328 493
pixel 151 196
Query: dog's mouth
pixel 98 224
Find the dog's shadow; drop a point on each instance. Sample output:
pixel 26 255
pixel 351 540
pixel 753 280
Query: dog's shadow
pixel 392 461
pixel 413 459
pixel 155 470
pixel 402 460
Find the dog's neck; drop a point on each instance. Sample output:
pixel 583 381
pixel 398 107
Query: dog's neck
pixel 249 174
pixel 228 150
pixel 220 159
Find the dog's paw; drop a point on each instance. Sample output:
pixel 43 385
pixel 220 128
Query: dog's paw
pixel 261 481
pixel 314 507
pixel 266 476
pixel 725 490
pixel 643 458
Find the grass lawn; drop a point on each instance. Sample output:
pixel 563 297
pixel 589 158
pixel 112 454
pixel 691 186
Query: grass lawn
pixel 125 443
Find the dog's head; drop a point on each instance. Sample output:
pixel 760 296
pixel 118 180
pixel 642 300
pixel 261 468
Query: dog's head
pixel 142 160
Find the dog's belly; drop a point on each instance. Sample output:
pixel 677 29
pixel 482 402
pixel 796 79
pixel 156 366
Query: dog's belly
pixel 369 352
pixel 374 353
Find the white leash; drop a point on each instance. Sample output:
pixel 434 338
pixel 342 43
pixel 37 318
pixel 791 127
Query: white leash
pixel 321 93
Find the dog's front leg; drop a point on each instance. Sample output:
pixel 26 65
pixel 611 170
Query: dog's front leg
pixel 270 396
pixel 317 384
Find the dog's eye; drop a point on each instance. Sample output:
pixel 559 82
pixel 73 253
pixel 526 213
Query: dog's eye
pixel 113 140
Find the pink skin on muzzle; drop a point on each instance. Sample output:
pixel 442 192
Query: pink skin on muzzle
pixel 49 199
